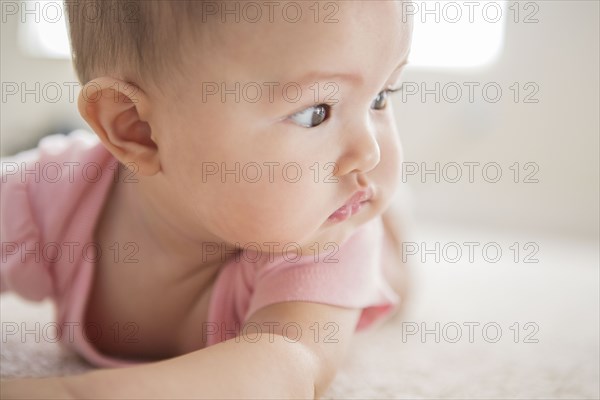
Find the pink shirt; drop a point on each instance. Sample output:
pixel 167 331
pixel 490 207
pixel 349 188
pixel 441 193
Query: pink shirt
pixel 51 198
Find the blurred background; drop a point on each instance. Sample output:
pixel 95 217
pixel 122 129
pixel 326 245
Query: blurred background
pixel 499 119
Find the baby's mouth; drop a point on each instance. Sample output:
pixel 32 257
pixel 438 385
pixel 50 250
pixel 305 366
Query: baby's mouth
pixel 352 206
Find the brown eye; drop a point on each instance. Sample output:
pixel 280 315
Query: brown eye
pixel 312 116
pixel 380 101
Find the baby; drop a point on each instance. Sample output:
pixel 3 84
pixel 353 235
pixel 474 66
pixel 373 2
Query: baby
pixel 230 225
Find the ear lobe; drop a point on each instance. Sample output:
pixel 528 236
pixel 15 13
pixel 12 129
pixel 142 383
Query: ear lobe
pixel 114 110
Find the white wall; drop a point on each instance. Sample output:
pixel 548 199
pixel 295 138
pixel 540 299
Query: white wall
pixel 560 54
pixel 560 133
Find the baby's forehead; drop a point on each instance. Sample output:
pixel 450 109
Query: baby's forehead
pixel 287 44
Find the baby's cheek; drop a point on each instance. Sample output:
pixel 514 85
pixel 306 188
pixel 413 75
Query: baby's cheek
pixel 268 212
pixel 395 163
pixel 388 171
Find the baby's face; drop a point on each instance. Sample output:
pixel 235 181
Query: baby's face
pixel 281 123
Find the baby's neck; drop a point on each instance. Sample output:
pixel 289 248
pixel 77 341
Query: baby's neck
pixel 158 229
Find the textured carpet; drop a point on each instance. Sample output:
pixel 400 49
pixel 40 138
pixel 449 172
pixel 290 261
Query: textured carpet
pixel 555 356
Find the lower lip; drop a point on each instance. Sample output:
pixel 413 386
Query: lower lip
pixel 345 212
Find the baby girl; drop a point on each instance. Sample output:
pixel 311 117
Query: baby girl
pixel 230 224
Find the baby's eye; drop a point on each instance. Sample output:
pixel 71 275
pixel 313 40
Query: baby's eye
pixel 312 116
pixel 380 101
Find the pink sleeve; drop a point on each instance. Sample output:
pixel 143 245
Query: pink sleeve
pixel 354 278
pixel 22 268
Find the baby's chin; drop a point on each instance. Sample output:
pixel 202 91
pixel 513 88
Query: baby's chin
pixel 336 233
pixel 308 234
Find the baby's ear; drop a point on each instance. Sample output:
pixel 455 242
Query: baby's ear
pixel 115 110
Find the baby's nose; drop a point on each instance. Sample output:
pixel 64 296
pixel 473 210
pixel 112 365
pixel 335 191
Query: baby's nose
pixel 361 151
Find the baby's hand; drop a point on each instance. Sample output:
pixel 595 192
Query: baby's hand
pixel 41 388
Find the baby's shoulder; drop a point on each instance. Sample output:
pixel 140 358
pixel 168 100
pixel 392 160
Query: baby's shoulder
pixel 57 158
pixel 47 186
pixel 59 165
pixel 50 197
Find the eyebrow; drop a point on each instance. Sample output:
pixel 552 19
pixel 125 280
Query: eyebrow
pixel 318 76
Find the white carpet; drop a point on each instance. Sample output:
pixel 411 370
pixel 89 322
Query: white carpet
pixel 559 295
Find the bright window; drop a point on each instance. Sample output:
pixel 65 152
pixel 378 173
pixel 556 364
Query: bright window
pixel 456 34
pixel 43 29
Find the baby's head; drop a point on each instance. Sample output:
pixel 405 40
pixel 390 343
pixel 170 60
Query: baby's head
pixel 256 129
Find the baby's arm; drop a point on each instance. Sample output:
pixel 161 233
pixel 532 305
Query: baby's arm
pixel 272 367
